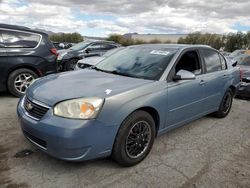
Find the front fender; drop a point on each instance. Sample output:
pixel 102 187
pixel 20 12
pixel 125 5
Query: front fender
pixel 117 108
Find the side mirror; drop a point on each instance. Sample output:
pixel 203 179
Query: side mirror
pixel 184 75
pixel 234 63
pixel 87 50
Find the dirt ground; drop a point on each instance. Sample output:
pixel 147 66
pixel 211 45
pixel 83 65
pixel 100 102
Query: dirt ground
pixel 209 152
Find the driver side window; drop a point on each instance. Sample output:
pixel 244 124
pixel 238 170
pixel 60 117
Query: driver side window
pixel 94 47
pixel 189 61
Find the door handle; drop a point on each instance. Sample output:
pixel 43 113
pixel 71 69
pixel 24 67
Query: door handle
pixel 202 82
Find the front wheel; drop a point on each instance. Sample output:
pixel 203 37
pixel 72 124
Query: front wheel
pixel 225 105
pixel 135 139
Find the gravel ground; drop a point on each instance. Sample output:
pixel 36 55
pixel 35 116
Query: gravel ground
pixel 206 153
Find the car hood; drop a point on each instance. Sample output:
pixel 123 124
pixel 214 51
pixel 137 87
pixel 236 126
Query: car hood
pixel 91 60
pixel 84 83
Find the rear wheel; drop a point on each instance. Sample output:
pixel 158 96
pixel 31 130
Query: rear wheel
pixel 19 80
pixel 70 65
pixel 135 139
pixel 225 105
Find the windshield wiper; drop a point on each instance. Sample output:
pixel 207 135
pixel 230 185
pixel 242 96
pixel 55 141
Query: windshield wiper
pixel 115 72
pixel 124 74
pixel 97 69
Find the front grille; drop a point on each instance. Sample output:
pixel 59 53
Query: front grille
pixel 34 109
pixel 36 140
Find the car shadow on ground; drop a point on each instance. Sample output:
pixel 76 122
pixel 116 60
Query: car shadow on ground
pixel 6 94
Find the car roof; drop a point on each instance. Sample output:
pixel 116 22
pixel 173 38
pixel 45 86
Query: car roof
pixel 21 28
pixel 100 41
pixel 176 46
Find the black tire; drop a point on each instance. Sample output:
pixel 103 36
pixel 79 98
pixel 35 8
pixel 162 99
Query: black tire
pixel 225 105
pixel 120 152
pixel 70 65
pixel 14 75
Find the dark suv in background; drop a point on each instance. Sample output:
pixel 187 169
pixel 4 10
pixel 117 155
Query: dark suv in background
pixel 25 55
pixel 68 58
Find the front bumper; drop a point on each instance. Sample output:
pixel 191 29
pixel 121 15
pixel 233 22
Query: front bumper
pixel 244 90
pixel 67 139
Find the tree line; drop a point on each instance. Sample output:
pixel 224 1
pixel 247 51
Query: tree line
pixel 124 41
pixel 66 37
pixel 228 42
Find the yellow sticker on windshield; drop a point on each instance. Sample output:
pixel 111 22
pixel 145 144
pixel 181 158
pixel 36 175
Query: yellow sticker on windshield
pixel 159 52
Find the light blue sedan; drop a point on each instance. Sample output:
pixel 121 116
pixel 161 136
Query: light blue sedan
pixel 119 106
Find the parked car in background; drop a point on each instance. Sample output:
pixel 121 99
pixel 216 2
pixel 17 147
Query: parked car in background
pixel 67 59
pixel 119 106
pixel 91 61
pixel 25 55
pixel 225 53
pixel 236 53
pixel 62 45
pixel 243 62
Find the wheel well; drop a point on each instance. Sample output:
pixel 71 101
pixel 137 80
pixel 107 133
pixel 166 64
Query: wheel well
pixel 22 67
pixel 233 88
pixel 25 67
pixel 155 115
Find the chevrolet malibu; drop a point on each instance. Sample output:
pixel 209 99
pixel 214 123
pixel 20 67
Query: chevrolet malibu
pixel 119 106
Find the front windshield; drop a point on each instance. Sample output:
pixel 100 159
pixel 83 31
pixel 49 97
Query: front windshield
pixel 110 52
pixel 79 46
pixel 244 61
pixel 147 62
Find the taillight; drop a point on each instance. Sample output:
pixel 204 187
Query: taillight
pixel 54 51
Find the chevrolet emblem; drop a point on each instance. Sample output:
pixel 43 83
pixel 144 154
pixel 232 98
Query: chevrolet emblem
pixel 29 106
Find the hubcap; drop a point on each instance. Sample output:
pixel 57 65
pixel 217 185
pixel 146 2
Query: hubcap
pixel 22 82
pixel 138 139
pixel 227 103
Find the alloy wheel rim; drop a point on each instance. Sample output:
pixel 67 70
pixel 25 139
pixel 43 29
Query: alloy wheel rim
pixel 138 139
pixel 22 82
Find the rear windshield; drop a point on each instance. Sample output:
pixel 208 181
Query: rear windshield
pixel 18 39
pixel 137 61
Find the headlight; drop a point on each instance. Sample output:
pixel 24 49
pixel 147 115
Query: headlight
pixel 84 108
pixel 60 56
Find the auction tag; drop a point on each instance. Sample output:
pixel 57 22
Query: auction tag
pixel 159 52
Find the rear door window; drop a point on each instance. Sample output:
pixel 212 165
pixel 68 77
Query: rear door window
pixel 212 60
pixel 16 39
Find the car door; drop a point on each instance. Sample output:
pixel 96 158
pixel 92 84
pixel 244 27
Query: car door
pixel 3 64
pixel 185 97
pixel 216 78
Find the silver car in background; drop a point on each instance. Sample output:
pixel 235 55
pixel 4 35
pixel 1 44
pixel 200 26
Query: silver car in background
pixel 91 61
